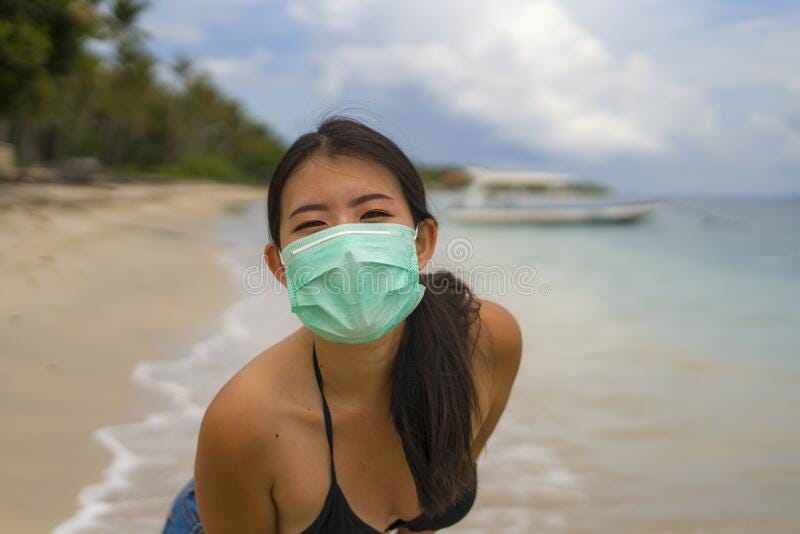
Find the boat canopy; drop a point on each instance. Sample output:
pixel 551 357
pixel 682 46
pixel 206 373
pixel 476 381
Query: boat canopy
pixel 495 179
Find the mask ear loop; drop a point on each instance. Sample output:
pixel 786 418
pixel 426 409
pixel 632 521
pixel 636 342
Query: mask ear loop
pixel 416 232
pixel 283 263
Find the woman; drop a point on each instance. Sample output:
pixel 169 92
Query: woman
pixel 410 372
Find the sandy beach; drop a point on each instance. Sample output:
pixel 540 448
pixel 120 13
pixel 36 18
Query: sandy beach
pixel 93 279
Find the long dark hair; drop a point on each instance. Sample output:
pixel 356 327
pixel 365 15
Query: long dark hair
pixel 433 392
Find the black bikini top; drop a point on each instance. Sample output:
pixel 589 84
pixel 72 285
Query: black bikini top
pixel 337 517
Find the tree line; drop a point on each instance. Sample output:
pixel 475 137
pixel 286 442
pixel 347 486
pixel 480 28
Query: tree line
pixel 60 99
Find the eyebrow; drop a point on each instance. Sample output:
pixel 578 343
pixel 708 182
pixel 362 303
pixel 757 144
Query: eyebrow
pixel 355 202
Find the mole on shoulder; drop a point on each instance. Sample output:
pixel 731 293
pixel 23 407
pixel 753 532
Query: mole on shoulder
pixel 276 435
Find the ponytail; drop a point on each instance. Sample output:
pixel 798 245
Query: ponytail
pixel 433 393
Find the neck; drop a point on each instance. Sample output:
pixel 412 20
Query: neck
pixel 358 376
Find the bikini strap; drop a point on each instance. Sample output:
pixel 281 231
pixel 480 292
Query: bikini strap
pixel 325 411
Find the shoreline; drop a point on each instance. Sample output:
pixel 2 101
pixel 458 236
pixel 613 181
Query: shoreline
pixel 84 268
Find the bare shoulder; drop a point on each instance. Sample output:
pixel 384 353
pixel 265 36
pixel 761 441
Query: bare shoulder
pixel 245 410
pixel 499 337
pixel 234 467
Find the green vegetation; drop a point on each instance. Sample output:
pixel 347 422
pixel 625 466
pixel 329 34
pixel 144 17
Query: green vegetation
pixel 431 175
pixel 59 100
pixel 40 41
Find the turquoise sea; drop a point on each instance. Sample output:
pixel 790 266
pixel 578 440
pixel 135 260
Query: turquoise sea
pixel 659 390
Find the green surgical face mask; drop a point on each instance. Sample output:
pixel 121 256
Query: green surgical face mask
pixel 352 283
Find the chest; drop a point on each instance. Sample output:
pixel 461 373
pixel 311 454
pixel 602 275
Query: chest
pixel 371 472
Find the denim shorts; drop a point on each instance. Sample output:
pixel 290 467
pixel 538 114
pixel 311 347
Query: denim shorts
pixel 183 517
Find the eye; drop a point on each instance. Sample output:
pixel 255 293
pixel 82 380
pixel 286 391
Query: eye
pixel 308 224
pixel 371 214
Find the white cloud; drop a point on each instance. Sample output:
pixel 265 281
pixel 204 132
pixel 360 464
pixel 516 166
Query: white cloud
pixel 227 69
pixel 340 16
pixel 175 31
pixel 186 22
pixel 526 69
pixel 779 132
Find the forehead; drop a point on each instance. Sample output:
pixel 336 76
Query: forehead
pixel 325 180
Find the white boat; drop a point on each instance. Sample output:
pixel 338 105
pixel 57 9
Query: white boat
pixel 541 197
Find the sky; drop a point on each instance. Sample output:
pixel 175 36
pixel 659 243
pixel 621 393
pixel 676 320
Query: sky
pixel 647 96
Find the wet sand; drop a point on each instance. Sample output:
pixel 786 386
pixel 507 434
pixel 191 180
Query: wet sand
pixel 93 279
